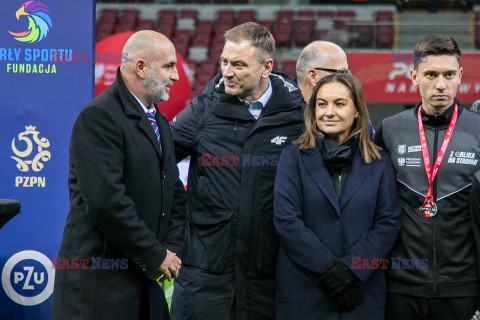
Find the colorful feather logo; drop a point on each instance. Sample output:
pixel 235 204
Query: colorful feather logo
pixel 39 22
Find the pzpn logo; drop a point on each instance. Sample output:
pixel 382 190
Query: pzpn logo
pixel 33 148
pixel 30 153
pixel 39 22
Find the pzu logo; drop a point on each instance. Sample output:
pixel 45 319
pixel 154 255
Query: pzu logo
pixel 28 277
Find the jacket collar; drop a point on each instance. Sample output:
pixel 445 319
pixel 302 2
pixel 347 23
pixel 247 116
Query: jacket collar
pixel 315 165
pixel 285 96
pixel 441 120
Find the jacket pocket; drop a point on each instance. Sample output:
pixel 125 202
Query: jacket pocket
pixel 208 240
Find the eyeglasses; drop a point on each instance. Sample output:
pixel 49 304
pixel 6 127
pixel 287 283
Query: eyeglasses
pixel 343 71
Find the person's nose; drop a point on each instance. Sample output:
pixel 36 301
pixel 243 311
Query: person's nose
pixel 174 75
pixel 227 71
pixel 441 83
pixel 330 111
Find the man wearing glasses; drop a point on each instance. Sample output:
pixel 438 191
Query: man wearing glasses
pixel 317 60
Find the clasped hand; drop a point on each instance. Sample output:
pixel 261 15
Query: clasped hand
pixel 340 283
pixel 169 269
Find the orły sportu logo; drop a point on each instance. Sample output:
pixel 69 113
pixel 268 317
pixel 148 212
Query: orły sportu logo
pixel 39 22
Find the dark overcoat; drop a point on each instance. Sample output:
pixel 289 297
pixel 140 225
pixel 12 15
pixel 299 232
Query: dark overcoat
pixel 315 228
pixel 126 205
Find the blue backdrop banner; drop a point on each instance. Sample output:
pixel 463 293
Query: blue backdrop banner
pixel 46 77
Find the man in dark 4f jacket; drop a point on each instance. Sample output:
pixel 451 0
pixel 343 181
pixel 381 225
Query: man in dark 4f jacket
pixel 230 253
pixel 434 272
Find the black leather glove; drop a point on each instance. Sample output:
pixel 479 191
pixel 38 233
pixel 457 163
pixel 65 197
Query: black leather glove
pixel 349 299
pixel 336 278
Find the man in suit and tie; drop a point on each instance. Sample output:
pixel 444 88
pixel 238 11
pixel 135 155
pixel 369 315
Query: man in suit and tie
pixel 127 209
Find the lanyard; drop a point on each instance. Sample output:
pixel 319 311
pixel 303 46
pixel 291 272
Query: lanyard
pixel 429 208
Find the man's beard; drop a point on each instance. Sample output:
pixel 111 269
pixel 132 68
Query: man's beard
pixel 156 88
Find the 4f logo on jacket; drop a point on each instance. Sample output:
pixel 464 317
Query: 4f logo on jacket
pixel 279 140
pixel 476 316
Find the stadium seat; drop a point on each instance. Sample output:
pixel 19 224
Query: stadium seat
pixel 323 35
pixel 304 27
pixel 364 36
pixel 384 15
pixel 216 48
pixel 384 38
pixel 203 33
pixel 166 29
pixel 223 26
pixel 326 14
pixel 288 67
pixel 245 16
pixel 108 15
pixel 188 13
pixel 182 35
pixel 345 15
pixel 145 24
pixel 201 39
pixel 303 33
pixel 168 16
pixel 284 28
pixel 225 15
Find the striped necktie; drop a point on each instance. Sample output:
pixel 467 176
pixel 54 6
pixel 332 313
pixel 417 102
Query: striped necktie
pixel 153 122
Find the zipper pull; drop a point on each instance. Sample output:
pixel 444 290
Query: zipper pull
pixel 236 123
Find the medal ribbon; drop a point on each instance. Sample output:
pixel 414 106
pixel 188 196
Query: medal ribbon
pixel 441 154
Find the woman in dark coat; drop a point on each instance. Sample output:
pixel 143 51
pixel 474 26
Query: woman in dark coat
pixel 336 211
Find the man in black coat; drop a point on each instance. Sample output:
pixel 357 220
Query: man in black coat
pixel 127 212
pixel 234 133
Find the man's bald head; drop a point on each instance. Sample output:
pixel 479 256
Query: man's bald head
pixel 318 54
pixel 142 45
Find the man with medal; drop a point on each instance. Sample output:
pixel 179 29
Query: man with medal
pixel 435 149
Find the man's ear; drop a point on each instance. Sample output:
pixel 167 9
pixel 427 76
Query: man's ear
pixel 267 68
pixel 414 75
pixel 141 68
pixel 311 77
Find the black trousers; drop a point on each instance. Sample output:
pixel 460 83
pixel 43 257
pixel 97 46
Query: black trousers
pixel 402 307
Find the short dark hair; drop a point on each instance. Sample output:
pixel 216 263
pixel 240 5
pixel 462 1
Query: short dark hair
pixel 259 36
pixel 436 45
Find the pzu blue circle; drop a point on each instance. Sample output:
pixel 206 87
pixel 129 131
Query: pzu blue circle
pixel 29 278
